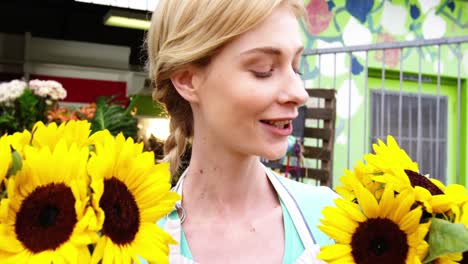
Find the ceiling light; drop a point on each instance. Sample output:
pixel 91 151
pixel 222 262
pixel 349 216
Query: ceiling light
pixel 146 5
pixel 126 19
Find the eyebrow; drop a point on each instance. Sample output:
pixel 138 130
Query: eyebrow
pixel 269 50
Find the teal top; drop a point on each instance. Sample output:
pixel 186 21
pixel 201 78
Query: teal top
pixel 293 246
pixel 310 199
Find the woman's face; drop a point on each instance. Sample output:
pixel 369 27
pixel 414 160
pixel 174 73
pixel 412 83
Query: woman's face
pixel 250 92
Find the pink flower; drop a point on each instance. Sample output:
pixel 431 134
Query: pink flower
pixel 319 16
pixel 48 88
pixel 392 56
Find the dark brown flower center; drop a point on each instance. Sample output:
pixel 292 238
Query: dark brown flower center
pixel 122 217
pixel 465 258
pixel 46 218
pixel 417 179
pixel 379 240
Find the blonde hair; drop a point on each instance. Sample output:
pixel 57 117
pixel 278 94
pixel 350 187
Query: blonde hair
pixel 191 32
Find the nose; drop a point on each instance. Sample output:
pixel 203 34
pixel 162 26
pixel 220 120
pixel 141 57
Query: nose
pixel 293 91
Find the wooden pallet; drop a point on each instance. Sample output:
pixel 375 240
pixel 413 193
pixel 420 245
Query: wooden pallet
pixel 325 134
pixel 326 113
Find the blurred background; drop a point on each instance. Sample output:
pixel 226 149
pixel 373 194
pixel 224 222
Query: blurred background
pixel 371 67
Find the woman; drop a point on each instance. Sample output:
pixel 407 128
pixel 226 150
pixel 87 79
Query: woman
pixel 228 74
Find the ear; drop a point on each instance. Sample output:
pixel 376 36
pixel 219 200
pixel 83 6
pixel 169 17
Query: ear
pixel 184 81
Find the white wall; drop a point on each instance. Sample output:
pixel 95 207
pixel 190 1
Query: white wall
pixel 73 59
pixel 78 53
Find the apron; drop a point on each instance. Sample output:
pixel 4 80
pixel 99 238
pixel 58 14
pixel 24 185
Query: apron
pixel 173 226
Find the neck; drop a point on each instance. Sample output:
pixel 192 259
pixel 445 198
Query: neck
pixel 219 182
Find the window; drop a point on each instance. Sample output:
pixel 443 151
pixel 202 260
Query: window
pixel 433 134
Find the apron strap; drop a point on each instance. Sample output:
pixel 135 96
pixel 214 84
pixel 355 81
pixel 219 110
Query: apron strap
pixel 293 208
pixel 172 227
pixel 178 188
pixel 310 256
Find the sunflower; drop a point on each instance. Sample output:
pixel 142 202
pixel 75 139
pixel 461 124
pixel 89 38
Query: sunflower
pixel 452 258
pixel 464 220
pixel 391 164
pixel 48 215
pixel 5 159
pixel 19 140
pixel 361 174
pixel 5 164
pixel 429 193
pixel 390 159
pixel 132 193
pixel 372 231
pixel 464 214
pixel 455 195
pixel 457 209
pixel 73 132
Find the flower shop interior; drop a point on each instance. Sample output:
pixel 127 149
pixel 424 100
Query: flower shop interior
pixel 381 142
pixel 368 75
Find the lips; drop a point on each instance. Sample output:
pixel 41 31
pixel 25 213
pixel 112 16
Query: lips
pixel 278 127
pixel 278 124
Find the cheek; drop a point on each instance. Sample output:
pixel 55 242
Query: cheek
pixel 234 99
pixel 255 96
pixel 247 108
pixel 241 98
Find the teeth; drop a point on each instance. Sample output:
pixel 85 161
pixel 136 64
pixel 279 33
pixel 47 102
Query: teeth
pixel 278 124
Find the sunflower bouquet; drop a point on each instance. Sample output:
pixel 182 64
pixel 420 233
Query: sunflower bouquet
pixel 390 213
pixel 71 197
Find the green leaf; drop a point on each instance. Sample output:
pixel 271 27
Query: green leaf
pixel 114 118
pixel 17 162
pixel 445 238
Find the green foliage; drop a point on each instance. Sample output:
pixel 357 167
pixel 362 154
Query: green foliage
pixel 7 122
pixel 149 107
pixel 445 238
pixel 23 113
pixel 30 109
pixel 114 117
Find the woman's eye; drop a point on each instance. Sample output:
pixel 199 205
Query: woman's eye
pixel 263 74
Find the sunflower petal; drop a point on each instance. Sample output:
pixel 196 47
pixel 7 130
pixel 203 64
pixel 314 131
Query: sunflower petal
pixel 441 203
pixel 404 201
pixel 98 252
pixel 386 202
pixel 351 209
pixel 334 252
pixel 109 253
pixel 367 202
pixel 337 218
pixel 337 234
pixel 410 222
pixel 152 243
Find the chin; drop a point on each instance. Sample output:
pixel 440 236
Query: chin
pixel 273 152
